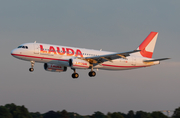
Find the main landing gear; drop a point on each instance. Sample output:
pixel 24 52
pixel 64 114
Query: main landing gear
pixel 32 65
pixel 76 75
pixel 92 73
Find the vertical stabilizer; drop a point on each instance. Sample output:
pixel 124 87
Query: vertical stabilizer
pixel 148 45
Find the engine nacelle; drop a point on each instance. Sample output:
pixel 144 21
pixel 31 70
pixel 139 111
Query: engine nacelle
pixel 78 63
pixel 54 68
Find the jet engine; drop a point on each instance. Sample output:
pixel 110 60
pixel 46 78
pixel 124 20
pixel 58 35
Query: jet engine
pixel 79 64
pixel 54 67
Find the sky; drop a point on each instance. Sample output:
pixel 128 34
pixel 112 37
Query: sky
pixel 94 24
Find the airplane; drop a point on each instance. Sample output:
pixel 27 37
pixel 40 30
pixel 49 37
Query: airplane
pixel 57 58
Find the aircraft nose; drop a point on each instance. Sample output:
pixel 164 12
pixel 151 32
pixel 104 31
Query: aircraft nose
pixel 13 52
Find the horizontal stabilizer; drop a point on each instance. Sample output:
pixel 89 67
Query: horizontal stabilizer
pixel 156 60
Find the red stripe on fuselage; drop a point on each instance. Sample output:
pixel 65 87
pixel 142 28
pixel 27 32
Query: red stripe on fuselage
pixel 81 66
pixel 39 57
pixel 122 66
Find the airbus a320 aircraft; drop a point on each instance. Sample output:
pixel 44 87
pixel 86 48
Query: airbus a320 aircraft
pixel 57 58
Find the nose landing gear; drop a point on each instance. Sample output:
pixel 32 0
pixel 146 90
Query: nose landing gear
pixel 32 65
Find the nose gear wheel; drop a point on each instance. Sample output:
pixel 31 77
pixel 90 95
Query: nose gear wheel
pixel 32 65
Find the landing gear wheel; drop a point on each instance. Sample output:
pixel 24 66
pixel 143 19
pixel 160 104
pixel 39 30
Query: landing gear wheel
pixel 31 69
pixel 92 73
pixel 32 65
pixel 75 75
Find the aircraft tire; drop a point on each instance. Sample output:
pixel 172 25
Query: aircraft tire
pixel 31 69
pixel 92 73
pixel 75 75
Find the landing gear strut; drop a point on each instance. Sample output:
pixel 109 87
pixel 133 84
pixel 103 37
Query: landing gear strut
pixel 32 65
pixel 92 73
pixel 75 75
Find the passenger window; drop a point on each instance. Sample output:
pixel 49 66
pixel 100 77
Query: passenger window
pixel 26 47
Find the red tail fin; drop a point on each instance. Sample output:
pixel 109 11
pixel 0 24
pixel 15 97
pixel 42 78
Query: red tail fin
pixel 148 45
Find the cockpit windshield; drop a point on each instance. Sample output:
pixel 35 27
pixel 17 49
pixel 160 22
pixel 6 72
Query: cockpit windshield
pixel 25 47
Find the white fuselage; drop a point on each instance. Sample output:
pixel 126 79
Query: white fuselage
pixel 60 55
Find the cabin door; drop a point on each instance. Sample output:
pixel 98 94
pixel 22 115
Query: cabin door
pixel 36 48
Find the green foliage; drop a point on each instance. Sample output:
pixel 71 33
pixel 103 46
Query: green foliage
pixel 64 114
pixel 98 114
pixel 142 114
pixel 130 114
pixel 52 114
pixel 176 113
pixel 36 115
pixel 76 115
pixel 14 111
pixel 4 112
pixel 18 111
pixel 157 114
pixel 116 115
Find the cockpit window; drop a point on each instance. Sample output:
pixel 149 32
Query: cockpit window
pixel 25 47
pixel 19 46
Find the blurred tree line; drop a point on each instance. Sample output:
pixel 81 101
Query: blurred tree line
pixel 14 111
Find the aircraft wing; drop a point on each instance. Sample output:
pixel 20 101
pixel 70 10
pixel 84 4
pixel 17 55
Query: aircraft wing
pixel 109 57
